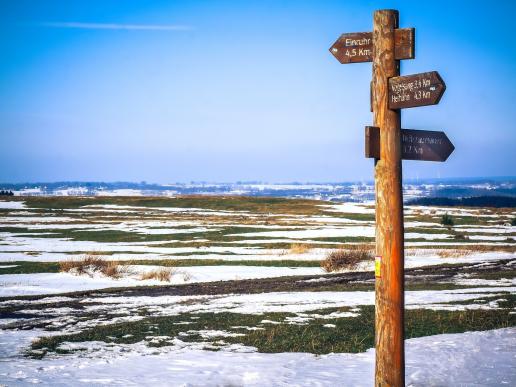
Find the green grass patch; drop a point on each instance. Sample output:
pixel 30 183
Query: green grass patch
pixel 352 216
pixel 427 230
pixel 344 239
pixel 223 262
pixel 29 267
pixel 495 275
pixel 26 230
pixel 350 334
pixel 222 234
pixel 217 203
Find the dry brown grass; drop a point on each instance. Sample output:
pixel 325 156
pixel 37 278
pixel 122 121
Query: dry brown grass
pixel 82 266
pixel 452 253
pixel 466 248
pixel 164 274
pixel 94 263
pixel 115 270
pixel 488 248
pixel 346 258
pixel 299 248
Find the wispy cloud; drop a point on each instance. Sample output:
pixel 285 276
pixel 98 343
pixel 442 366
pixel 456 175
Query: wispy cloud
pixel 116 26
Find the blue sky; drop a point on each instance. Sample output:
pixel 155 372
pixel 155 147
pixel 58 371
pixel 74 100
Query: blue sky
pixel 168 91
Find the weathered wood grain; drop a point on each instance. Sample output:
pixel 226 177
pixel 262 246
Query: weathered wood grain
pixel 389 311
pixel 372 142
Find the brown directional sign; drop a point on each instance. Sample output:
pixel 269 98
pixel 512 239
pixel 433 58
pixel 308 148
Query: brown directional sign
pixel 415 90
pixel 424 145
pixel 358 46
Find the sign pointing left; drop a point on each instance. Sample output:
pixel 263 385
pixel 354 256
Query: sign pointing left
pixel 357 47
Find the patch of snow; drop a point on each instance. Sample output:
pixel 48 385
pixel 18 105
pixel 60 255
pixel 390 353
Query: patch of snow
pixel 119 192
pixel 490 237
pixel 465 281
pixel 351 231
pixel 286 302
pixel 22 221
pixel 12 205
pixel 487 230
pixel 350 208
pixel 209 334
pixel 52 283
pixel 471 358
pixel 416 235
pixel 441 243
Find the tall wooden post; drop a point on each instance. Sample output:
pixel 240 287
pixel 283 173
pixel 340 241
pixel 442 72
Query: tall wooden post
pixel 389 324
pixel 385 47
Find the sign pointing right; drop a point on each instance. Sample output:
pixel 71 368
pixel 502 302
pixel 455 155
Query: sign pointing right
pixel 423 145
pixel 415 90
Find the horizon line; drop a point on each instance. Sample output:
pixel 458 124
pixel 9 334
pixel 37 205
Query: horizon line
pixel 240 182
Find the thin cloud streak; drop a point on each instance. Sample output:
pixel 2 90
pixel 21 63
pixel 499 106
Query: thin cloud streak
pixel 116 26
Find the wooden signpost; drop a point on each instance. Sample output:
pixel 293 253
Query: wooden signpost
pixel 389 144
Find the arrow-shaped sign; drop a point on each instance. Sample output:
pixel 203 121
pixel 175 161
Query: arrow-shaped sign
pixel 415 90
pixel 358 46
pixel 424 145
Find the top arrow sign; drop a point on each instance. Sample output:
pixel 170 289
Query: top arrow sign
pixel 415 90
pixel 358 46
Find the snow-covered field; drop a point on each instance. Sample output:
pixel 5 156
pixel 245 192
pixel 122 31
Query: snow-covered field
pixel 149 232
pixel 242 272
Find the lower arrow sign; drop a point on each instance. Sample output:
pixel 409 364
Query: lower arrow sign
pixel 424 145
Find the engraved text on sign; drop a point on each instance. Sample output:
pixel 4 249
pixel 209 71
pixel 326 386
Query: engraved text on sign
pixel 415 90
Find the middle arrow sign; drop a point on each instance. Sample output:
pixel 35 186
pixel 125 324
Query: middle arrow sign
pixel 415 90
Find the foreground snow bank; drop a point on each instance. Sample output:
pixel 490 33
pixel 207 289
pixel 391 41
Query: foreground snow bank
pixel 471 358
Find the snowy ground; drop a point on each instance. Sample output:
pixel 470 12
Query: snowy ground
pixel 466 270
pixel 28 232
pixel 473 358
pixel 50 283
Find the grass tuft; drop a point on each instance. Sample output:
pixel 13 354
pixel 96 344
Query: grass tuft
pixel 299 248
pixel 346 258
pixel 453 253
pixel 94 263
pixel 164 274
pixel 447 220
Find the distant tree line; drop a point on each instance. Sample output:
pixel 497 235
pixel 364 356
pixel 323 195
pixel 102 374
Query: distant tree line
pixel 6 193
pixel 475 201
